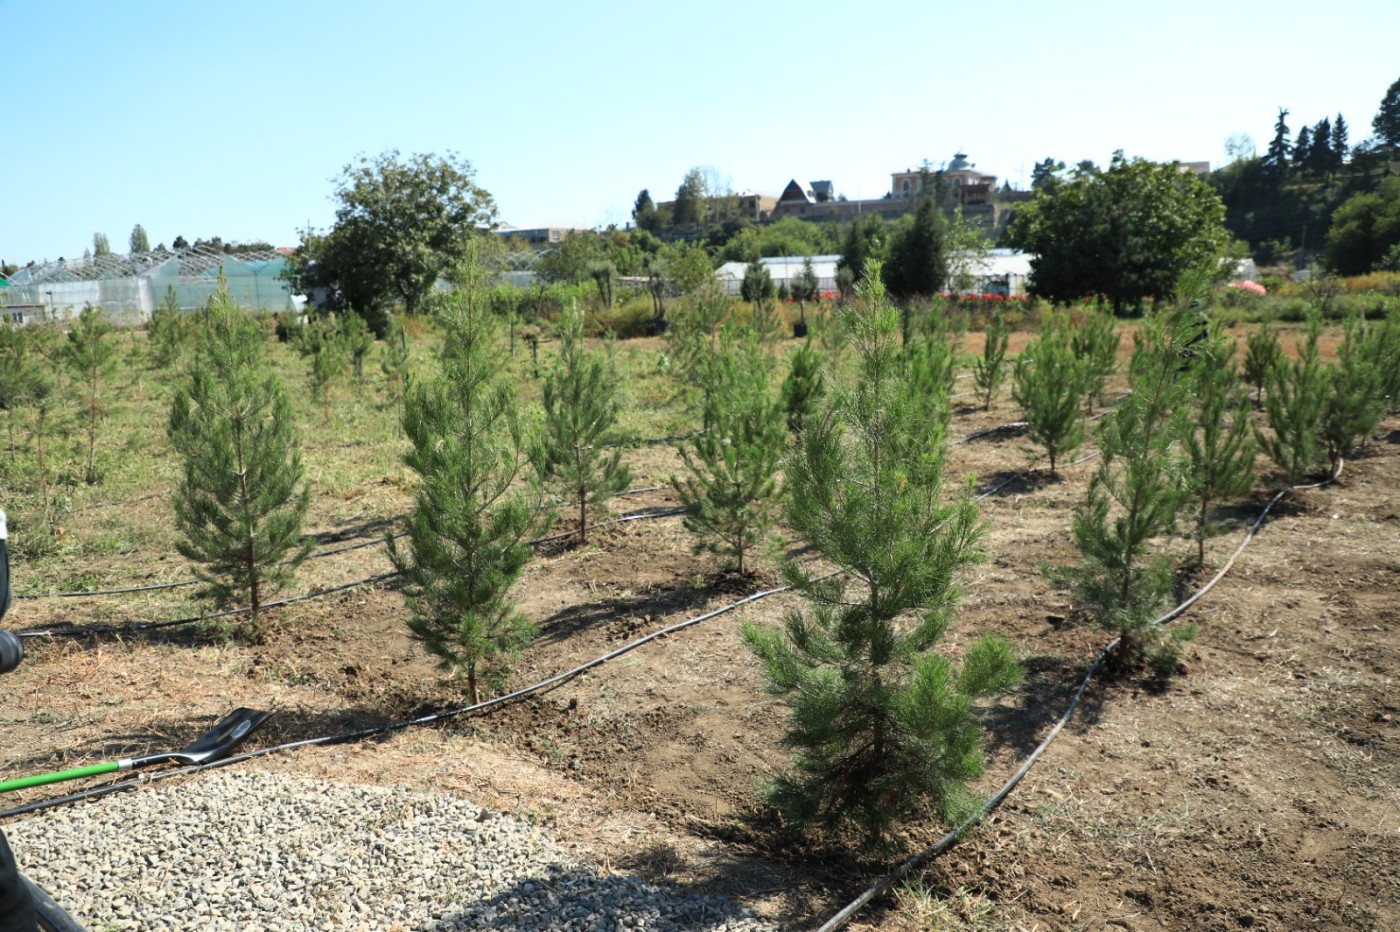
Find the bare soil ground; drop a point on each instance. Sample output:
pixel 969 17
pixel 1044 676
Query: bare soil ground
pixel 1258 789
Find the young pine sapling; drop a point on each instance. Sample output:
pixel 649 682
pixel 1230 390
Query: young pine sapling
pixel 580 412
pixel 466 533
pixel 1049 387
pixel 730 487
pixel 241 500
pixel 882 723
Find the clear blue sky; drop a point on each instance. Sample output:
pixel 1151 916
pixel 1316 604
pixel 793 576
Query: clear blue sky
pixel 231 119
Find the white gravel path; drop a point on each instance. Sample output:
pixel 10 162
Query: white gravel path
pixel 242 851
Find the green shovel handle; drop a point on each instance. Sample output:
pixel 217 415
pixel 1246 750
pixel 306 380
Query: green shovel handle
pixel 61 775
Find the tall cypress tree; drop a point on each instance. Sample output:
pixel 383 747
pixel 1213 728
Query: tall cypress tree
pixel 240 502
pixel 881 722
pixel 918 265
pixel 580 410
pixel 466 535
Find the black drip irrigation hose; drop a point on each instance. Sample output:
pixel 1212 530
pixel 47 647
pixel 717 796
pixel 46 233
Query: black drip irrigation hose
pixel 997 798
pixel 375 731
pixel 136 627
pixel 391 727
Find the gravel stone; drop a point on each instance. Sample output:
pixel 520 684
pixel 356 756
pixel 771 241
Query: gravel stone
pixel 236 851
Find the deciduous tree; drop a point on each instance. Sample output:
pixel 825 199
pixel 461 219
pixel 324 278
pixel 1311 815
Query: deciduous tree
pixel 401 223
pixel 1126 232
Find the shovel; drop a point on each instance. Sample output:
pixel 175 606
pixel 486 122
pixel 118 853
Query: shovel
pixel 213 744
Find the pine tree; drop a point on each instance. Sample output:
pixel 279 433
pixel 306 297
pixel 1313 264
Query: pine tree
pixel 91 355
pixel 930 368
pixel 100 245
pixel 466 534
pixel 1221 442
pixel 1303 150
pixel 1261 352
pixel 1381 346
pixel 241 500
pixel 1356 396
pixel 1135 495
pixel 580 410
pixel 1297 394
pixel 1340 143
pixel 1049 387
pixel 882 723
pixel 730 488
pixel 321 341
pixel 989 369
pixel 1095 345
pixel 24 380
pixel 803 388
pixel 805 287
pixel 168 332
pixel 357 340
pixel 395 364
pixel 1276 159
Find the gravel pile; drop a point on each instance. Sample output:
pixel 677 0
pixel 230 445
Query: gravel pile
pixel 264 851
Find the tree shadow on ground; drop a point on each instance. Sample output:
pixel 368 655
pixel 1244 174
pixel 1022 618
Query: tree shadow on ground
pixel 1017 481
pixel 580 618
pixel 1001 431
pixel 350 532
pixel 559 895
pixel 1047 690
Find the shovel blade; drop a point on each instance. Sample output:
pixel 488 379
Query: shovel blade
pixel 219 740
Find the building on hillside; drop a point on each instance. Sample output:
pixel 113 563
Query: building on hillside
pixel 964 183
pixel 783 270
pixel 538 236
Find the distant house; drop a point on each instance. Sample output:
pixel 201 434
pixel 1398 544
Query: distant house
pixel 967 184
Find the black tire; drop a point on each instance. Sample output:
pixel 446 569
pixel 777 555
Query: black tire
pixel 52 917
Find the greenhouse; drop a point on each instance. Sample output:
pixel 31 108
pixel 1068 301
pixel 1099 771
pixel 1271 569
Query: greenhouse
pixel 130 287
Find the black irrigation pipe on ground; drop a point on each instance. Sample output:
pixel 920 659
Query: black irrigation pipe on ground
pixel 136 627
pixel 375 731
pixel 997 798
pixel 391 727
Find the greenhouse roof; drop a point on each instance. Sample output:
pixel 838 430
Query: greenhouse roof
pixel 194 262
